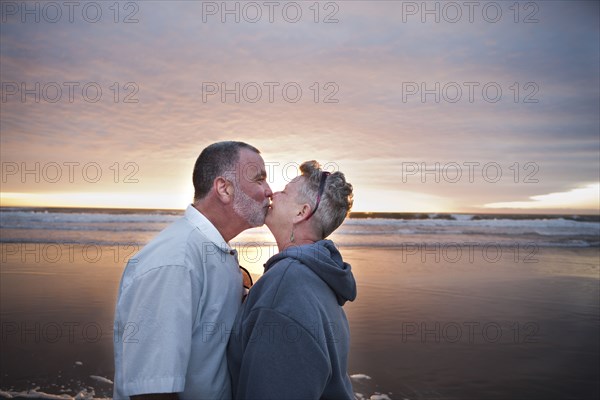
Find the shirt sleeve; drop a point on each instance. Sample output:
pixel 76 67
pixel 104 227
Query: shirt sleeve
pixel 281 359
pixel 155 315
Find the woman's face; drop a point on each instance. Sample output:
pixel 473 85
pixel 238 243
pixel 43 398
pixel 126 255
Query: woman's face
pixel 284 207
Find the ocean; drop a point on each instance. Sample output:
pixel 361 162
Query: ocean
pixel 449 306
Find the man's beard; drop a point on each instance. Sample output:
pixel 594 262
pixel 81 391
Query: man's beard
pixel 252 211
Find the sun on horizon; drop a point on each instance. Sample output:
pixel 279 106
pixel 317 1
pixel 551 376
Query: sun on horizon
pixel 578 201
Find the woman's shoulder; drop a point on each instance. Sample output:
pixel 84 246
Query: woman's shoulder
pixel 289 271
pixel 287 287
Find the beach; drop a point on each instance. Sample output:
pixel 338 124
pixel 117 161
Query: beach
pixel 57 317
pixel 476 331
pixel 440 314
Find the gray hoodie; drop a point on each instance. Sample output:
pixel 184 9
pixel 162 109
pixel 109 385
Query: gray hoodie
pixel 291 338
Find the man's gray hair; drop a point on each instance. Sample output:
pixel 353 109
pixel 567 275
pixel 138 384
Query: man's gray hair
pixel 214 161
pixel 336 200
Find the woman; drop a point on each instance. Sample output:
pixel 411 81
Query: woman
pixel 291 337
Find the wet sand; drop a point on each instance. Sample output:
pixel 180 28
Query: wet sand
pixel 421 328
pixel 480 330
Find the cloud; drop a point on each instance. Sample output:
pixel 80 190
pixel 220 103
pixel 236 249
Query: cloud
pixel 586 198
pixel 368 54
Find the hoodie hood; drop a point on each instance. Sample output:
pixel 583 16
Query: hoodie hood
pixel 324 259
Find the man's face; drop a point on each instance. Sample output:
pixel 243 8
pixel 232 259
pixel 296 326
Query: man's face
pixel 252 192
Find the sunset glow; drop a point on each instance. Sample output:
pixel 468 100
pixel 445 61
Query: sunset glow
pixel 421 114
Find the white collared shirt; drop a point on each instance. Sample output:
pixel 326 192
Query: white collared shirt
pixel 177 302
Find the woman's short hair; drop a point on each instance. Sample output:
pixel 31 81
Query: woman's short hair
pixel 214 161
pixel 336 200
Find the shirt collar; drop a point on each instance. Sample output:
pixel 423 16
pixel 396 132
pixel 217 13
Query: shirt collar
pixel 207 228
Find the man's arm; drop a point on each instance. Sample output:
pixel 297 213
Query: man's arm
pixel 155 354
pixel 156 396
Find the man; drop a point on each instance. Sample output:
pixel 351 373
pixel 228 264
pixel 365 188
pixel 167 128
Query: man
pixel 180 294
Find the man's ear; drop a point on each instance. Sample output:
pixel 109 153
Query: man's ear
pixel 223 189
pixel 302 213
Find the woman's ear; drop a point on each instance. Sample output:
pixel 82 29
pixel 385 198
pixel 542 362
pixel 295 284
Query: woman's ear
pixel 223 189
pixel 302 213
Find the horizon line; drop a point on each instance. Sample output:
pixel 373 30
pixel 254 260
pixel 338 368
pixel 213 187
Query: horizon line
pixel 355 213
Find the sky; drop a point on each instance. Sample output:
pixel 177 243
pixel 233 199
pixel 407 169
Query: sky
pixel 424 106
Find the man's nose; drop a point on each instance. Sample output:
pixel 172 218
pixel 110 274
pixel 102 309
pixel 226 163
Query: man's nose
pixel 268 192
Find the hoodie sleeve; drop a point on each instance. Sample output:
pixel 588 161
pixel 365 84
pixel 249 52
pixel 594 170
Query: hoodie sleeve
pixel 281 359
